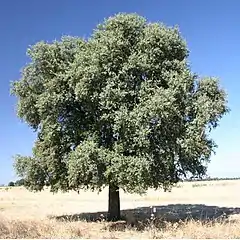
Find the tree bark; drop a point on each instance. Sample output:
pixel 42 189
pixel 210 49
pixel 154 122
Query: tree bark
pixel 113 203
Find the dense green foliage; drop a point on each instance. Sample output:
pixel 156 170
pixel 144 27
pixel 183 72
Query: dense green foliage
pixel 121 107
pixel 17 183
pixel 11 184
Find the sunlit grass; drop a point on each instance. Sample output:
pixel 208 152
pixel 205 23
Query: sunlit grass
pixel 24 214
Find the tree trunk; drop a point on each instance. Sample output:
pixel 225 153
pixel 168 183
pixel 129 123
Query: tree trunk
pixel 113 203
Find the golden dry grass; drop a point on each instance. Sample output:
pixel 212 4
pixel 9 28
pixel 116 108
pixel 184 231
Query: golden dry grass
pixel 181 213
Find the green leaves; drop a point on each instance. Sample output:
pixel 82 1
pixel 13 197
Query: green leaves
pixel 87 166
pixel 31 171
pixel 121 108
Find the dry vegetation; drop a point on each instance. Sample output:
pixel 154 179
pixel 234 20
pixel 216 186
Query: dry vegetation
pixel 192 210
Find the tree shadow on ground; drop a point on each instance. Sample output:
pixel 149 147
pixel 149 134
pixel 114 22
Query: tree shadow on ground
pixel 166 213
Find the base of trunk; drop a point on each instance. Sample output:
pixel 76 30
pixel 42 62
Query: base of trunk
pixel 113 203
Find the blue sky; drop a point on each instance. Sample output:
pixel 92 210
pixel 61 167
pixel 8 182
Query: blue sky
pixel 211 29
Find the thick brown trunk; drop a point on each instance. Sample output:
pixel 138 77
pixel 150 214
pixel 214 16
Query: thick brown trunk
pixel 113 203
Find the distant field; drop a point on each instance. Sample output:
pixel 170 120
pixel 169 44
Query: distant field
pixel 181 213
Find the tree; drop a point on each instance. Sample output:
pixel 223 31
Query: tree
pixel 11 184
pixel 19 182
pixel 119 109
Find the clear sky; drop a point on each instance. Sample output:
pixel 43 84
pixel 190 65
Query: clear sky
pixel 211 28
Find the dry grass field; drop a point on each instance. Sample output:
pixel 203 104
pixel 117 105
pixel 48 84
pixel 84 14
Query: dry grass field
pixel 191 210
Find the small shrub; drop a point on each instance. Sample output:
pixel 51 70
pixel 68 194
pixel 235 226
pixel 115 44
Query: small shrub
pixel 199 185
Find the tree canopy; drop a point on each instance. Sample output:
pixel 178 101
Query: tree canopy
pixel 121 108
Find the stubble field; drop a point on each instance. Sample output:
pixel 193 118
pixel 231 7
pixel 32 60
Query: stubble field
pixel 192 210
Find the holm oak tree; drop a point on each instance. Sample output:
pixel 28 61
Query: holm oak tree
pixel 120 109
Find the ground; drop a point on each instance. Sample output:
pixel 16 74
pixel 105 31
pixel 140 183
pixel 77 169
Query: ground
pixel 192 210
